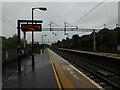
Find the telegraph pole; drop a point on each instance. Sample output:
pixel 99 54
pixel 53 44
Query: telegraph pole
pixel 65 28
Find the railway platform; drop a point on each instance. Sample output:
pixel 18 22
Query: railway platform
pixel 42 77
pixel 111 55
pixel 51 71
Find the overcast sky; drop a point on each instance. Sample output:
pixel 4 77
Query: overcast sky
pixel 59 12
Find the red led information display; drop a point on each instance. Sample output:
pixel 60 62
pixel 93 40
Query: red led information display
pixel 31 27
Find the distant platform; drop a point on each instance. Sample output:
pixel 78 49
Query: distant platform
pixel 111 55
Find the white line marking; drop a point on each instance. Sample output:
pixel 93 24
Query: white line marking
pixel 28 63
pixel 68 69
pixel 22 68
pixel 71 72
pixel 75 76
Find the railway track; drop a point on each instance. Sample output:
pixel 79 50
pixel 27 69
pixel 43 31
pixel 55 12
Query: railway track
pixel 103 75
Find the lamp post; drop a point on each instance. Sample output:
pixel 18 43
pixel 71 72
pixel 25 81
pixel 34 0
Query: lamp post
pixel 43 9
pixel 42 42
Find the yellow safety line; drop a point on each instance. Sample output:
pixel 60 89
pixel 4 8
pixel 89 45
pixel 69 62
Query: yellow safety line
pixel 64 80
pixel 56 76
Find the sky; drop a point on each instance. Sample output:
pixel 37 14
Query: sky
pixel 75 13
pixel 119 12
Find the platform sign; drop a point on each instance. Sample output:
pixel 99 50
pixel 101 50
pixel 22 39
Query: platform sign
pixel 31 27
pixel 118 47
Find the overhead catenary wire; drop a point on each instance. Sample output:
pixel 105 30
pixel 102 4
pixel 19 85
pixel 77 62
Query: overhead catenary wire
pixel 102 9
pixel 8 23
pixel 7 20
pixel 89 12
pixel 70 11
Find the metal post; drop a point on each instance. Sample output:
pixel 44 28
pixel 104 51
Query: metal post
pixel 104 25
pixel 25 68
pixel 42 39
pixel 42 45
pixel 50 26
pixel 94 41
pixel 32 45
pixel 19 62
pixel 48 41
pixel 117 25
pixel 24 42
pixel 65 29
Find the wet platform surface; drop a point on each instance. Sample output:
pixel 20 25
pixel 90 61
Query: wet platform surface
pixel 42 77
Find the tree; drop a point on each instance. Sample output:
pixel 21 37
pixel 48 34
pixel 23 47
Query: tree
pixel 4 42
pixel 75 42
pixel 106 40
pixel 11 42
